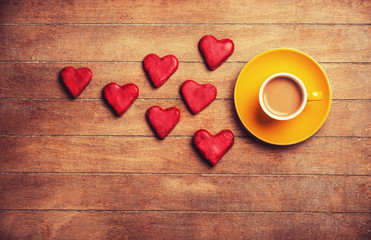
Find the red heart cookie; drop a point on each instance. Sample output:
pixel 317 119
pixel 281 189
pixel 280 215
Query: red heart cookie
pixel 215 52
pixel 119 97
pixel 212 147
pixel 76 80
pixel 159 70
pixel 196 96
pixel 163 121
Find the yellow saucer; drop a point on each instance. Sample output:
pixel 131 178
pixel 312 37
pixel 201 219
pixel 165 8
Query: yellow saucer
pixel 246 96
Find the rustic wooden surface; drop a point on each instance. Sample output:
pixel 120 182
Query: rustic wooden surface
pixel 71 169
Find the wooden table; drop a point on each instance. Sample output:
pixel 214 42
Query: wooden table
pixel 71 169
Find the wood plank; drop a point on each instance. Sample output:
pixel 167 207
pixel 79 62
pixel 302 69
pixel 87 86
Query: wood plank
pixel 182 225
pixel 211 11
pixel 40 80
pixel 185 192
pixel 325 43
pixel 93 117
pixel 348 156
pixel 99 176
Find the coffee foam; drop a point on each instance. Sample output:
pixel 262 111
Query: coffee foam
pixel 282 96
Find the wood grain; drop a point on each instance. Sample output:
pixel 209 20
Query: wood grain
pixel 71 169
pixel 325 43
pixel 94 117
pixel 185 192
pixel 176 225
pixel 211 11
pixel 40 80
pixel 177 155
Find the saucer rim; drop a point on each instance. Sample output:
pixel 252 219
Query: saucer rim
pixel 315 129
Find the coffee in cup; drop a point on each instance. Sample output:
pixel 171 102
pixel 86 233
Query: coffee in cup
pixel 283 96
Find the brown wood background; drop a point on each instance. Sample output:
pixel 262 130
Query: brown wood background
pixel 70 169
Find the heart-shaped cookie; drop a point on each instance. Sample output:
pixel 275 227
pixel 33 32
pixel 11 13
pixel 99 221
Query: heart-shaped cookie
pixel 76 80
pixel 212 147
pixel 163 121
pixel 119 97
pixel 197 96
pixel 159 70
pixel 214 51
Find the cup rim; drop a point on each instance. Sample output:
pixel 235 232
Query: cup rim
pixel 292 77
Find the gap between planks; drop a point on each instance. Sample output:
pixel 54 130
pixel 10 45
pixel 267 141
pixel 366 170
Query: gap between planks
pixel 174 211
pixel 151 99
pixel 149 136
pixel 184 24
pixel 135 62
pixel 187 174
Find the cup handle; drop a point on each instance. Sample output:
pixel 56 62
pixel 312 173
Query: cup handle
pixel 315 96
